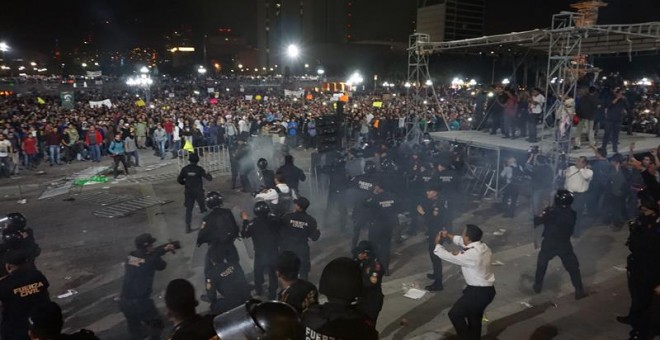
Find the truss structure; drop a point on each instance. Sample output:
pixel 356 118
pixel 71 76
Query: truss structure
pixel 571 38
pixel 418 71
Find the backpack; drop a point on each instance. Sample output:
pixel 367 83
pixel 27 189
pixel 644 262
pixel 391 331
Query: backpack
pixel 284 202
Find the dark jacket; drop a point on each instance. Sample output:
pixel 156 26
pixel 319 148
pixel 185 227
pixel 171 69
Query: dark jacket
pixel 140 268
pixel 191 176
pixel 558 222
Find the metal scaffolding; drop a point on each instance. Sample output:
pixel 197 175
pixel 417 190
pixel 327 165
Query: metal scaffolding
pixel 418 71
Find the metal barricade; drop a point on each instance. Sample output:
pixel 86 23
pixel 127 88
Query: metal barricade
pixel 214 158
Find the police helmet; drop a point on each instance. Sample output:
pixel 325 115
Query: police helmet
pixel 262 164
pixel 389 165
pixel 213 200
pixel 369 167
pixel 15 221
pixel 647 200
pixel 12 239
pixel 261 209
pixel 341 279
pixel 364 247
pixel 259 320
pixel 563 198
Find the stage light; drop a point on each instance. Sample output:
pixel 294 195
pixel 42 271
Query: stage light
pixel 429 82
pixel 4 47
pixel 490 94
pixel 84 64
pixel 407 85
pixel 355 79
pixel 472 82
pixel 240 66
pixel 320 71
pixel 506 81
pixel 33 64
pixel 144 70
pixel 201 70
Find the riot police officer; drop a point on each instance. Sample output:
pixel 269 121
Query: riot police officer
pixel 338 182
pixel 23 289
pixel 447 180
pixel 135 298
pixel 228 280
pixel 299 294
pixel 559 224
pixel 264 231
pixel 191 176
pixel 436 217
pixel 297 228
pixel 361 189
pixel 17 236
pixel 341 283
pixel 384 209
pixel 265 176
pixel 371 301
pixel 643 265
pixel 219 230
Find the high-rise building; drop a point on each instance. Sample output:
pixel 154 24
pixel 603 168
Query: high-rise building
pixel 279 24
pixel 447 20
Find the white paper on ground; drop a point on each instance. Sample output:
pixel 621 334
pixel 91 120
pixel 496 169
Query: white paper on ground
pixel 415 294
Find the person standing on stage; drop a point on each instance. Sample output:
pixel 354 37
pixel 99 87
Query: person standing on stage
pixel 475 260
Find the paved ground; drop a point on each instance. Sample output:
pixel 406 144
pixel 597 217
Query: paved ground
pixel 83 250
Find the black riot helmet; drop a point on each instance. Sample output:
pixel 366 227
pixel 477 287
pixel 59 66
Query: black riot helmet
pixel 389 165
pixel 563 198
pixel 12 239
pixel 647 200
pixel 15 221
pixel 213 200
pixel 341 279
pixel 262 164
pixel 369 167
pixel 261 209
pixel 259 320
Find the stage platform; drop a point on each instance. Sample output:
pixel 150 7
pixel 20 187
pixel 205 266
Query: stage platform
pixel 643 142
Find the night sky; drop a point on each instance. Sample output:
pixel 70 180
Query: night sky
pixel 30 25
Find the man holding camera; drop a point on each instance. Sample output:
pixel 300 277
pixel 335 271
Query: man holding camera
pixel 135 300
pixel 614 114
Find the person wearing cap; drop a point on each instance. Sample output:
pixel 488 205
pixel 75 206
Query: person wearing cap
pixel 46 323
pixel 475 259
pixel 191 177
pixel 371 301
pixel 17 236
pixel 135 300
pixel 292 174
pixel 434 213
pixel 643 267
pixel 181 304
pixel 384 209
pixel 21 291
pixel 558 225
pixel 338 318
pixel 299 227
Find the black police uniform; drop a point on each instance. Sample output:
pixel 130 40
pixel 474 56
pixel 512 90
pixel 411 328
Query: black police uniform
pixel 15 240
pixel 293 175
pixel 364 185
pixel 135 299
pixel 300 295
pixel 195 327
pixel 559 223
pixel 385 213
pixel 336 203
pixel 20 292
pixel 228 280
pixel 337 321
pixel 643 267
pixel 264 232
pixel 297 229
pixel 371 301
pixel 435 217
pixel 233 164
pixel 266 178
pixel 415 192
pixel 449 183
pixel 220 231
pixel 191 176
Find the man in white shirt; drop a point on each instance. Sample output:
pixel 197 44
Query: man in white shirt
pixel 475 261
pixel 5 151
pixel 577 179
pixel 536 104
pixel 279 198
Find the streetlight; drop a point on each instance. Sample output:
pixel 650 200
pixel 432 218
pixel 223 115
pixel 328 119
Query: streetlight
pixel 144 70
pixel 240 66
pixel 320 72
pixel 4 47
pixel 84 65
pixel 506 81
pixel 201 70
pixel 429 82
pixel 33 64
pixel 293 51
pixel 143 81
pixel 407 85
